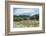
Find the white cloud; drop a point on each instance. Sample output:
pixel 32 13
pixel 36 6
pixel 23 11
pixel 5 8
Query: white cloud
pixel 22 11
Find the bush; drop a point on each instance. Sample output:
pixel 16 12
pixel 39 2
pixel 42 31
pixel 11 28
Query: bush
pixel 25 18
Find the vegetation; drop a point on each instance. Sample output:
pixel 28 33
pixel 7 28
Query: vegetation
pixel 24 17
pixel 26 21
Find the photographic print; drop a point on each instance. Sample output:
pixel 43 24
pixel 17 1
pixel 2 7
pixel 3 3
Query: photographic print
pixel 25 17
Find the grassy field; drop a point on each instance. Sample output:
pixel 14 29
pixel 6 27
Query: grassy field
pixel 26 23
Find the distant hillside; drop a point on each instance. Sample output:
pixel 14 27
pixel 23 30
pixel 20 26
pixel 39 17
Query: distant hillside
pixel 35 16
pixel 25 17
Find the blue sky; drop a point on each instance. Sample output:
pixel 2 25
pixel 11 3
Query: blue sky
pixel 25 11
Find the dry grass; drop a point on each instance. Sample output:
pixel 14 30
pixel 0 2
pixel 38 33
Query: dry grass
pixel 26 23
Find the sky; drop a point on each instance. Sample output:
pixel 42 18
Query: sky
pixel 25 11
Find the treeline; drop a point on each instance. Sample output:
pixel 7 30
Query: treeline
pixel 24 17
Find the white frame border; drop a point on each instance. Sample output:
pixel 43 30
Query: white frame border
pixel 25 29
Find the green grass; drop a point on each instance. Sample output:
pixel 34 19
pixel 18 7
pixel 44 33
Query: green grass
pixel 26 23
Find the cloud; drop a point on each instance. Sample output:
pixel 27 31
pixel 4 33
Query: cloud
pixel 22 11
